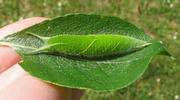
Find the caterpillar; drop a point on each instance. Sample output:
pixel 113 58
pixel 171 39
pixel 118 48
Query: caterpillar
pixel 94 47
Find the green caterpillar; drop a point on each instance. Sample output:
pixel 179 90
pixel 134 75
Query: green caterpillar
pixel 99 46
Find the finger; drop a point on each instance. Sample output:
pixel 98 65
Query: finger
pixel 8 57
pixel 16 84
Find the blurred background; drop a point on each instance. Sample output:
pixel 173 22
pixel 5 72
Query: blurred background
pixel 158 18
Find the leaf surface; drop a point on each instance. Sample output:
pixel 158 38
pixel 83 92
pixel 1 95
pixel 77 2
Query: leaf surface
pixel 107 74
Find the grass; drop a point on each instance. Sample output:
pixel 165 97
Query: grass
pixel 158 18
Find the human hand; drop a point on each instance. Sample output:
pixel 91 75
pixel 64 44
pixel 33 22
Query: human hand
pixel 16 84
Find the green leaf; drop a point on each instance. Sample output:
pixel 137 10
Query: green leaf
pixel 51 63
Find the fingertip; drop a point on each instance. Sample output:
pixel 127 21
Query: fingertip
pixel 8 57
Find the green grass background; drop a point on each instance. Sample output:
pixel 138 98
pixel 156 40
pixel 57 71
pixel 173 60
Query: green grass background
pixel 158 18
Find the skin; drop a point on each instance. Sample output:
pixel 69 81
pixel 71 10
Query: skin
pixel 16 84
